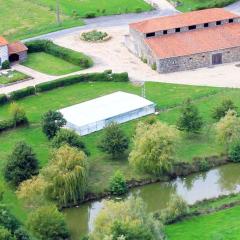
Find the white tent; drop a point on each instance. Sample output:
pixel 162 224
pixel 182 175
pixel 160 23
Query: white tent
pixel 94 115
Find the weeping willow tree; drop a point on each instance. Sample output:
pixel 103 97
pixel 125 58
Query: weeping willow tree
pixel 67 175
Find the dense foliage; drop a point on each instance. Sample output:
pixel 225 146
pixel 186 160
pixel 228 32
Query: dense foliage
pixel 18 114
pixel 6 64
pixel 153 148
pixel 67 136
pixel 52 121
pixel 47 223
pixel 66 175
pixel 118 184
pixel 114 140
pixel 234 152
pixel 127 219
pixel 175 210
pixel 22 164
pixel 189 120
pixel 228 129
pixel 68 55
pixel 221 110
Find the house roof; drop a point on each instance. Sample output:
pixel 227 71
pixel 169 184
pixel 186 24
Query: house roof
pixel 16 47
pixel 196 41
pixel 182 20
pixel 3 41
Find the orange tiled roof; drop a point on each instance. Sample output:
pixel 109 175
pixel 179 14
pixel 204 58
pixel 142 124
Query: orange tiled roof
pixel 182 20
pixel 196 41
pixel 16 47
pixel 3 41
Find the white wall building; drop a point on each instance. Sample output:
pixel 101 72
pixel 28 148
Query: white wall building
pixel 3 50
pixel 94 115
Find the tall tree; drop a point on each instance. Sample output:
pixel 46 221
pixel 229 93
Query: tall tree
pixel 22 164
pixel 153 147
pixel 114 141
pixel 189 120
pixel 67 175
pixel 52 121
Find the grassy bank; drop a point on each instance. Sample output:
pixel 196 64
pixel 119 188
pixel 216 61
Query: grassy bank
pixel 219 225
pixel 27 18
pixel 168 97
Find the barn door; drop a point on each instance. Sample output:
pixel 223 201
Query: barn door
pixel 217 58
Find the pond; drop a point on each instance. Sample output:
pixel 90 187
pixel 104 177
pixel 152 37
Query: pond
pixel 219 181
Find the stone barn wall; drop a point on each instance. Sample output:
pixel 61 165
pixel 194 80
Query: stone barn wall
pixel 199 60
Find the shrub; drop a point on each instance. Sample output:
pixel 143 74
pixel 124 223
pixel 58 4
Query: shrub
pixel 94 36
pixel 18 94
pixel 221 110
pixel 138 10
pixel 66 176
pixel 176 209
pixel 118 185
pixel 120 77
pixel 189 120
pixel 5 234
pixel 3 99
pixel 67 136
pixel 47 223
pixel 21 234
pixel 90 15
pixel 234 152
pixel 154 66
pixel 17 114
pixel 153 148
pixel 114 141
pixel 6 65
pixel 228 129
pixel 22 164
pixel 52 121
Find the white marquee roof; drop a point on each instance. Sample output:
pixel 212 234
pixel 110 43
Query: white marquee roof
pixel 103 108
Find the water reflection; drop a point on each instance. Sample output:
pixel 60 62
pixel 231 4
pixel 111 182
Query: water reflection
pixel 220 181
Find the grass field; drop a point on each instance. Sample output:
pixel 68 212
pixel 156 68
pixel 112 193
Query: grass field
pixel 12 76
pixel 222 225
pixel 49 64
pixel 190 5
pixel 166 96
pixel 20 19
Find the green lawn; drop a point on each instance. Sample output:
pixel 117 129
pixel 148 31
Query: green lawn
pixel 20 19
pixel 49 64
pixel 190 5
pixel 222 225
pixel 12 76
pixel 166 96
pixel 99 7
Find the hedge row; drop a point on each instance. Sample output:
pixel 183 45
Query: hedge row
pixel 91 77
pixel 106 76
pixel 10 123
pixel 76 58
pixel 214 4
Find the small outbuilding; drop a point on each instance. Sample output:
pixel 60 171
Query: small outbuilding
pixel 94 115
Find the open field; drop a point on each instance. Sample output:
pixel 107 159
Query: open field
pixel 166 96
pixel 23 19
pixel 190 5
pixel 220 225
pixel 49 64
pixel 99 7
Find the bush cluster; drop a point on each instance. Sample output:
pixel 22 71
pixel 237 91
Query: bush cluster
pixel 214 4
pixel 68 55
pixel 118 185
pixel 6 65
pixel 94 36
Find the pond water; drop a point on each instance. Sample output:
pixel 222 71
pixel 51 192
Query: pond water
pixel 220 181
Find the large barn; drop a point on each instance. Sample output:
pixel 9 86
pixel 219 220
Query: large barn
pixel 13 52
pixel 188 40
pixel 94 115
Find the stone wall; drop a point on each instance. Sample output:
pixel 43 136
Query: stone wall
pixel 196 61
pixel 22 56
